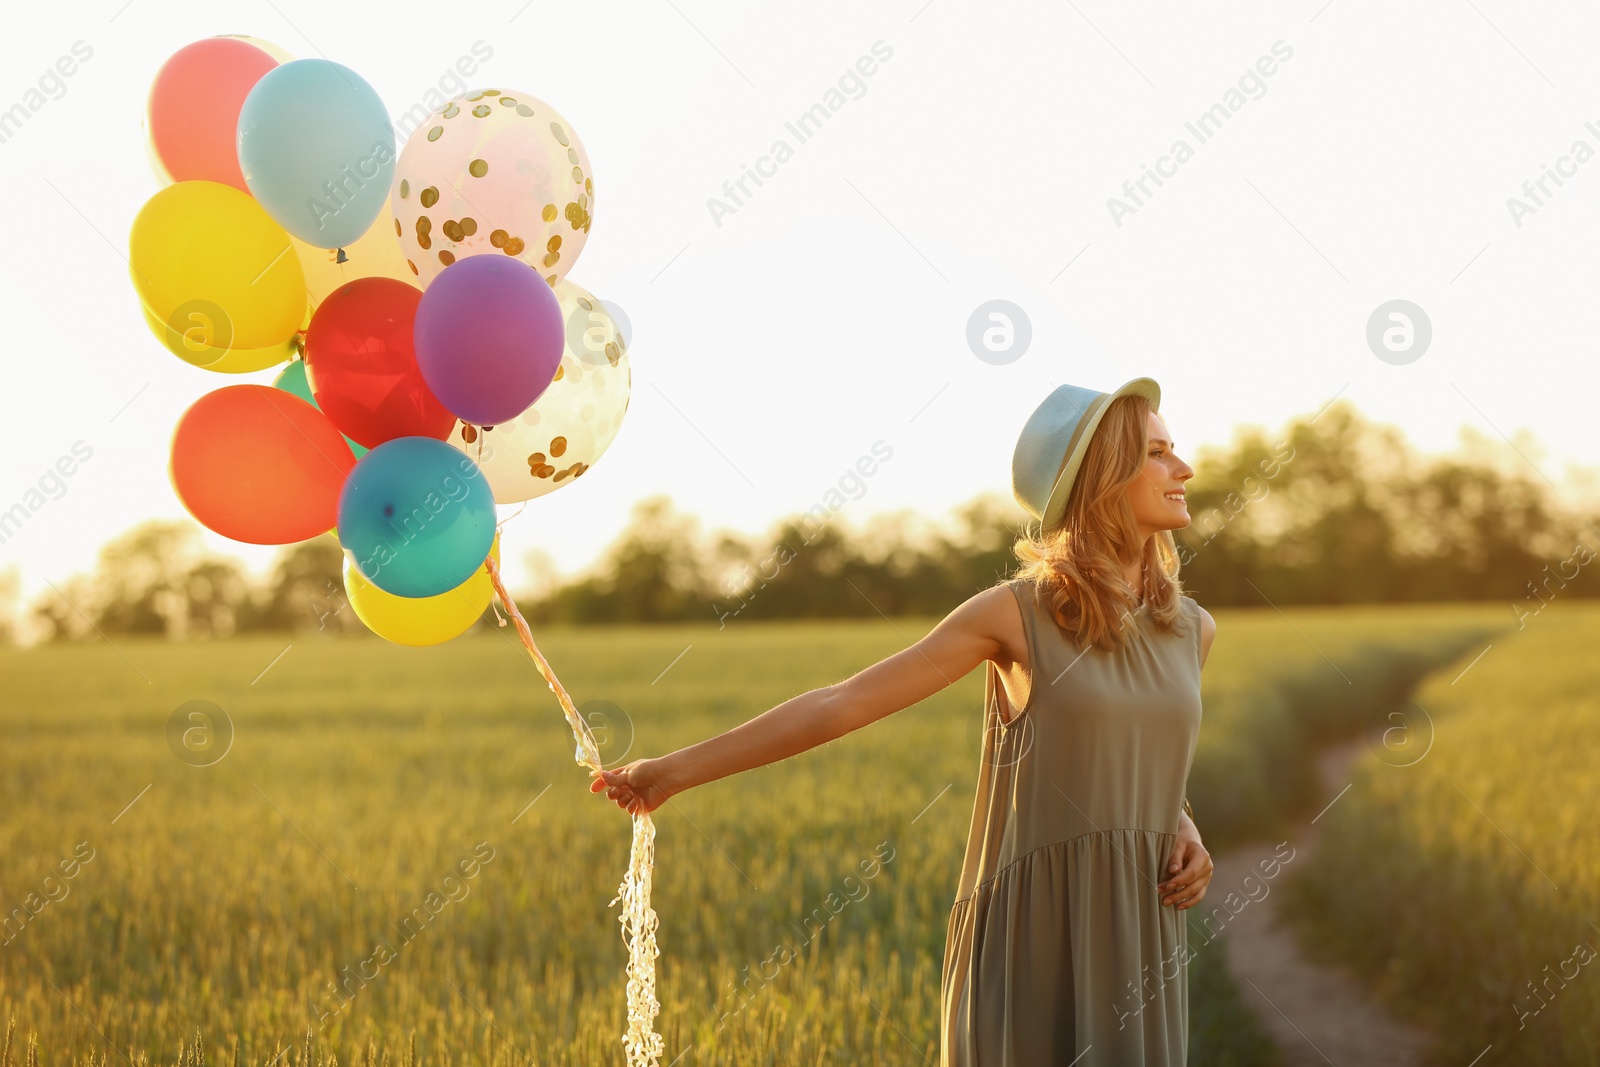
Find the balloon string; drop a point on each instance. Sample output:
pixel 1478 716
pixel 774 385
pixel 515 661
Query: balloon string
pixel 501 524
pixel 588 753
pixel 638 918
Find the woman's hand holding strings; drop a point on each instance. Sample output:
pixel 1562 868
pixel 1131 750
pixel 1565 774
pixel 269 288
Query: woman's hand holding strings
pixel 638 788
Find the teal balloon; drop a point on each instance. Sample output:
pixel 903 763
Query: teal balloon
pixel 292 379
pixel 317 150
pixel 416 516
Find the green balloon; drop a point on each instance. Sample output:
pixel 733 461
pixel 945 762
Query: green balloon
pixel 293 380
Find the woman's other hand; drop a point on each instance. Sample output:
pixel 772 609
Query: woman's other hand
pixel 638 788
pixel 1189 870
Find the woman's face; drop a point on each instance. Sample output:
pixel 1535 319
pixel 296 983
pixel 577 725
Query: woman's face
pixel 1163 474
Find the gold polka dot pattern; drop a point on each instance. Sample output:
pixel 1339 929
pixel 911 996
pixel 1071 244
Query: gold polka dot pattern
pixel 524 169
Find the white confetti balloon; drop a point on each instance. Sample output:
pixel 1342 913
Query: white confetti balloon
pixel 494 172
pixel 564 432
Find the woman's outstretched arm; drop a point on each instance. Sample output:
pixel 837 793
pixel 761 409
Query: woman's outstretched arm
pixel 963 639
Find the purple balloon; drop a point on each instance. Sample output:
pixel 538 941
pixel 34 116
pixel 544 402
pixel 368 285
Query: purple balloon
pixel 489 337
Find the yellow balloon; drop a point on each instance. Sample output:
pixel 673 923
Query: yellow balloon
pixel 215 274
pixel 375 254
pixel 191 345
pixel 428 620
pixel 278 52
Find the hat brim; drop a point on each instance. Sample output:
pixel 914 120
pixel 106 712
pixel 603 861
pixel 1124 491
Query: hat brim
pixel 1055 508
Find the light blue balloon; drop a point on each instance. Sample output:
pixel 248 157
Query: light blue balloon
pixel 292 379
pixel 317 150
pixel 416 516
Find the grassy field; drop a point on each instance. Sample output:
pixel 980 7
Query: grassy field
pixel 1463 877
pixel 398 858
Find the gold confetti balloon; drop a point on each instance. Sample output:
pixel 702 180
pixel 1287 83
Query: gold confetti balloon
pixel 494 172
pixel 563 433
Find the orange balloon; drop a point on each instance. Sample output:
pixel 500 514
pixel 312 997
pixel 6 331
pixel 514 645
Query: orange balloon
pixel 259 465
pixel 193 110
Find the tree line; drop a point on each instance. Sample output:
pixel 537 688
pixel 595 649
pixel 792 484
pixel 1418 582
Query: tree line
pixel 1333 510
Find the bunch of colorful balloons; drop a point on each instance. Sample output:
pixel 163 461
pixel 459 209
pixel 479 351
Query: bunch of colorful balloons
pixel 429 358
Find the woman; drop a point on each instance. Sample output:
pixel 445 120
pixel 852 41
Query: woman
pixel 1064 944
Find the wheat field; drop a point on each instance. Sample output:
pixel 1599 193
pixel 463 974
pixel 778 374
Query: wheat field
pixel 388 855
pixel 1463 876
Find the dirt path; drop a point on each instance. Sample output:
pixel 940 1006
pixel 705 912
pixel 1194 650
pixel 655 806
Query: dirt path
pixel 1317 1015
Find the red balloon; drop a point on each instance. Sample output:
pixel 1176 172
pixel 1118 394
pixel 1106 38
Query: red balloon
pixel 259 465
pixel 361 363
pixel 194 106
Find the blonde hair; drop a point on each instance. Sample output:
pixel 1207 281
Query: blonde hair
pixel 1077 566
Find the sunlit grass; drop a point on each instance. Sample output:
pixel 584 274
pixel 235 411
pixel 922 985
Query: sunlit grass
pixel 317 874
pixel 1463 875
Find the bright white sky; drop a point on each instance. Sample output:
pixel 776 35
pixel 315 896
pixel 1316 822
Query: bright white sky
pixel 830 310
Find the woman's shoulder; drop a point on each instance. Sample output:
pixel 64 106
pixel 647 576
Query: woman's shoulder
pixel 1020 589
pixel 1026 589
pixel 1200 615
pixel 1203 620
pixel 1018 582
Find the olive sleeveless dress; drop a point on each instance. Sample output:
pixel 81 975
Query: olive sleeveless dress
pixel 1059 950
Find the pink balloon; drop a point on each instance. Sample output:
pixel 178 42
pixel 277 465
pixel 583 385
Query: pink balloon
pixel 489 338
pixel 194 108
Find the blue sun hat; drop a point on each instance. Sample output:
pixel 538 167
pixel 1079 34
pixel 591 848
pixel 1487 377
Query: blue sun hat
pixel 1055 439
